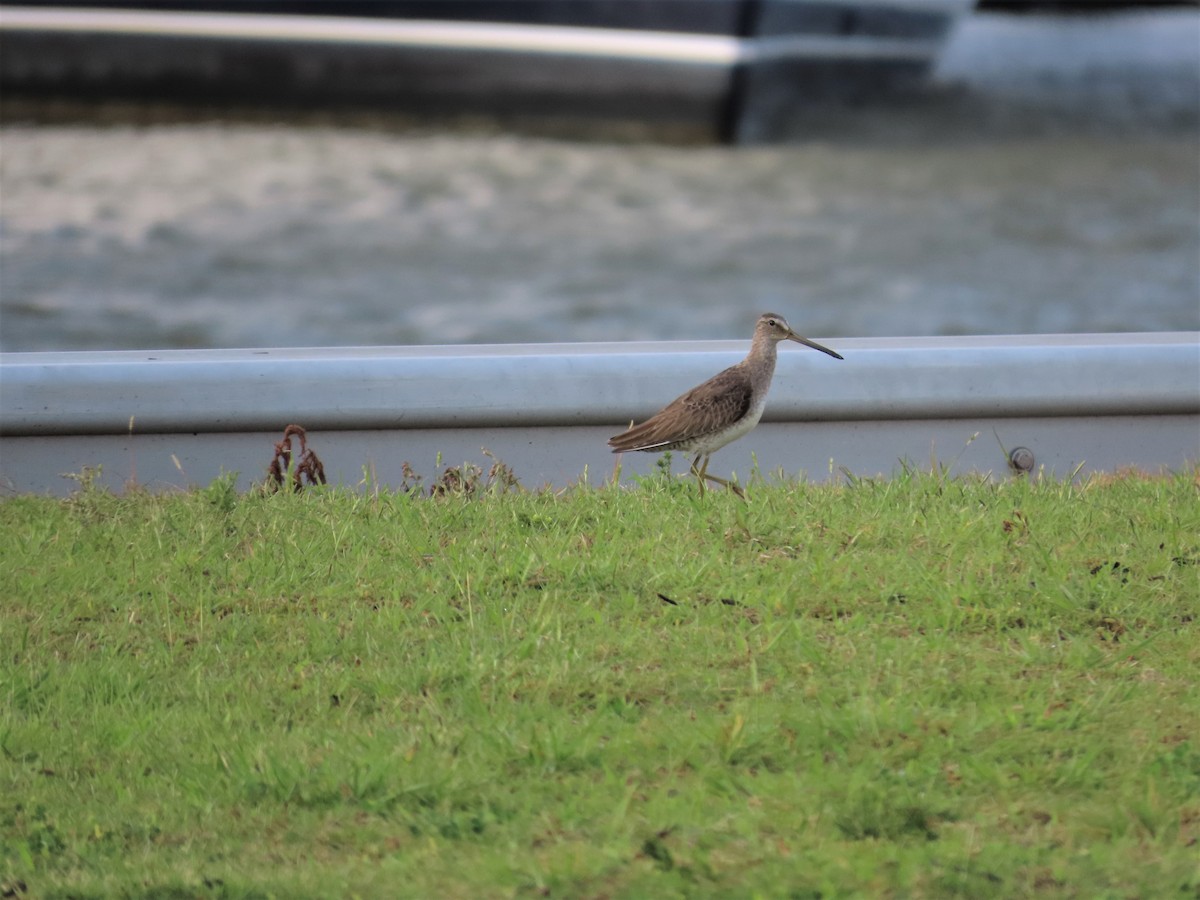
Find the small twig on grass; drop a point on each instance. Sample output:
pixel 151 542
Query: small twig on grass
pixel 309 467
pixel 501 474
pixel 467 479
pixel 457 481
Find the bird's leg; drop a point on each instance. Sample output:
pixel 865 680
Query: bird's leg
pixel 700 471
pixel 703 475
pixel 725 483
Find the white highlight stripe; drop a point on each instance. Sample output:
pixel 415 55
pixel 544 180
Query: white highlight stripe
pixel 656 46
pixel 702 49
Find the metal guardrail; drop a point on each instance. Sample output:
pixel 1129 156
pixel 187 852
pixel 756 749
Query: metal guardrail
pixel 174 417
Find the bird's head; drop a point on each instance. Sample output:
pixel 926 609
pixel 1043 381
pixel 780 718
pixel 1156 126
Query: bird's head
pixel 774 327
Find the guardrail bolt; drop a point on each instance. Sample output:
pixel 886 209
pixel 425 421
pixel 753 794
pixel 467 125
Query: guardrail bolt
pixel 1021 460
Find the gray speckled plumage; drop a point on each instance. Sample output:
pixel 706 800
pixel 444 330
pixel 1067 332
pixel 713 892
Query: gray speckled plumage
pixel 720 410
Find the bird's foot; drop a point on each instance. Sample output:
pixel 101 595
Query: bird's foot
pixel 725 483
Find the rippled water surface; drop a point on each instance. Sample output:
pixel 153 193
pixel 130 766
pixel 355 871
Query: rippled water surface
pixel 1048 181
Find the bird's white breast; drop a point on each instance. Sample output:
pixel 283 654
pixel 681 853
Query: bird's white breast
pixel 714 442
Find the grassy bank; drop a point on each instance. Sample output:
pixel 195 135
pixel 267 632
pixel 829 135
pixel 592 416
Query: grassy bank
pixel 914 687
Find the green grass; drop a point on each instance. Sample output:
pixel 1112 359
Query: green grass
pixel 916 687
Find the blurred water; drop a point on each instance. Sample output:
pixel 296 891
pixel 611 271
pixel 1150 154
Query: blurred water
pixel 1049 181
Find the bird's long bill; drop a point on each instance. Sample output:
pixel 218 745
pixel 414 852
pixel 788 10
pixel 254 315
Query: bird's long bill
pixel 807 343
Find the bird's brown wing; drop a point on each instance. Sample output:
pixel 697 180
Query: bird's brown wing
pixel 706 409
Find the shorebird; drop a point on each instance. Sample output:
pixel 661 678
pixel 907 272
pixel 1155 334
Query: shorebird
pixel 720 410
